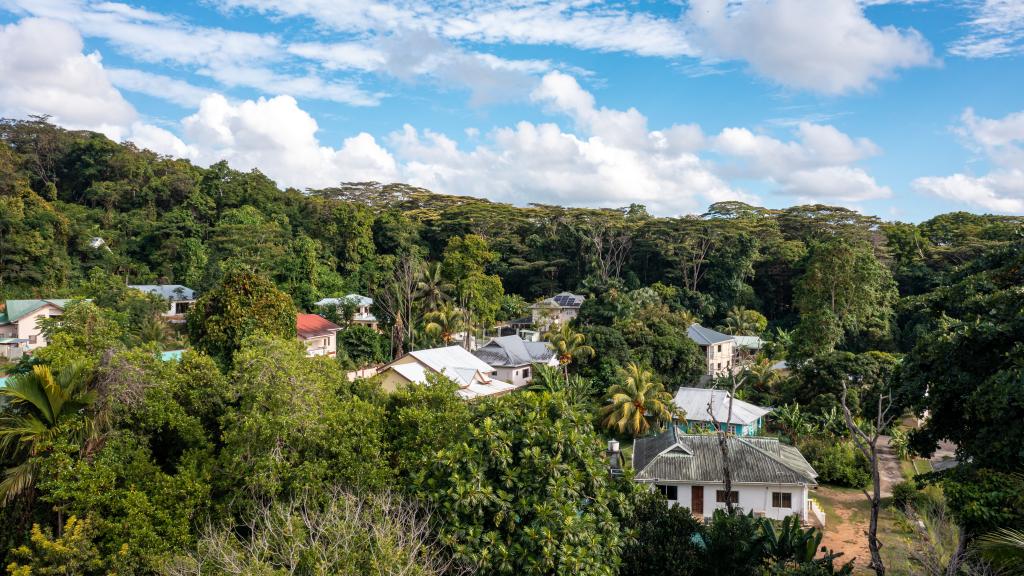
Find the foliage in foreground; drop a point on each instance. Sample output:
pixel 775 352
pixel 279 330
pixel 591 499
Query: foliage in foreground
pixel 524 490
pixel 336 533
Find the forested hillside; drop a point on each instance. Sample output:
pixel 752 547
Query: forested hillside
pixel 139 466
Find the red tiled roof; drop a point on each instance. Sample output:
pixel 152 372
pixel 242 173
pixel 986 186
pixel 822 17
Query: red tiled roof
pixel 310 325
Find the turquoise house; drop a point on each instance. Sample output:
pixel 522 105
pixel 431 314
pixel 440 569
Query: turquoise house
pixel 747 419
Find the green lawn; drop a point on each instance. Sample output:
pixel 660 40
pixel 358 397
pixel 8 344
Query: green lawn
pixel 910 468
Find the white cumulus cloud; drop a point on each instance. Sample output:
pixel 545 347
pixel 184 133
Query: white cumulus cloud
pixel 45 72
pixel 827 46
pixel 1001 142
pixel 816 166
pixel 279 138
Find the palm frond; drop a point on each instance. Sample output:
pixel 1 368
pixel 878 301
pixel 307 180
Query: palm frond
pixel 17 480
pixel 30 388
pixel 1004 548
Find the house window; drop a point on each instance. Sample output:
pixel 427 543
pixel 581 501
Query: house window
pixel 720 496
pixel 526 372
pixel 782 500
pixel 719 366
pixel 182 307
pixel 32 339
pixel 669 491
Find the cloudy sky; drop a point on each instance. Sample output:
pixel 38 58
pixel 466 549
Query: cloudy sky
pixel 900 108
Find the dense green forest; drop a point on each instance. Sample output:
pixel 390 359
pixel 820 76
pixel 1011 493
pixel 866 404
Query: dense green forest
pixel 246 457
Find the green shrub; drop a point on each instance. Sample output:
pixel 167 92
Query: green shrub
pixel 905 494
pixel 837 463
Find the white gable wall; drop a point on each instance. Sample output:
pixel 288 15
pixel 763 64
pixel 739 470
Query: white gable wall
pixel 756 497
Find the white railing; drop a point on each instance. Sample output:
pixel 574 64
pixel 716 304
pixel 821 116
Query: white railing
pixel 816 511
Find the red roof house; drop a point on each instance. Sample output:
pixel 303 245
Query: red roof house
pixel 318 334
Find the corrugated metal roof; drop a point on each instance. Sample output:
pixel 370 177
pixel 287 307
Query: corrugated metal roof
pixel 698 459
pixel 492 388
pixel 748 342
pixel 694 401
pixel 166 291
pixel 451 357
pixel 706 336
pixel 454 362
pixel 511 351
pixel 17 309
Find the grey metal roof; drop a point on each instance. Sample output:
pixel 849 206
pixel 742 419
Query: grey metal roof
pixel 510 351
pixel 694 401
pixel 166 291
pixel 749 342
pixel 706 336
pixel 698 458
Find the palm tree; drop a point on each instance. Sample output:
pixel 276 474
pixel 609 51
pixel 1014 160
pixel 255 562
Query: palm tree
pixel 740 322
pixel 637 401
pixel 575 388
pixel 445 322
pixel 431 287
pixel 568 345
pixel 154 329
pixel 688 318
pixel 1005 549
pixel 762 376
pixel 45 405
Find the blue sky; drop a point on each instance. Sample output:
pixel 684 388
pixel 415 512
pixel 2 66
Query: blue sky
pixel 904 109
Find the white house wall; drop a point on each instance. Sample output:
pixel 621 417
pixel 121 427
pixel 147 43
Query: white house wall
pixel 719 358
pixel 756 497
pixel 516 375
pixel 29 329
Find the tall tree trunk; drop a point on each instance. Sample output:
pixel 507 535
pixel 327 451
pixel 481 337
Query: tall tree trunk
pixel 874 545
pixel 397 332
pixel 868 445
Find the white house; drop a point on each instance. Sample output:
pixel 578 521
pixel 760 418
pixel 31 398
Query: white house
pixel 561 308
pixel 718 350
pixel 475 377
pixel 19 324
pixel 319 334
pixel 768 478
pixel 747 419
pixel 179 299
pixel 513 358
pixel 362 305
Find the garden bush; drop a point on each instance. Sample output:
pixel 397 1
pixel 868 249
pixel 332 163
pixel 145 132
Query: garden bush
pixel 836 462
pixel 905 494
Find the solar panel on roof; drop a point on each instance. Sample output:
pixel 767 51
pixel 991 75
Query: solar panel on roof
pixel 562 300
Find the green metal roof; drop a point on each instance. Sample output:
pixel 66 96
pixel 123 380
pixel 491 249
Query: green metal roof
pixel 18 309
